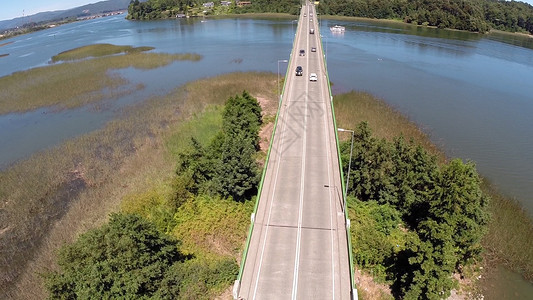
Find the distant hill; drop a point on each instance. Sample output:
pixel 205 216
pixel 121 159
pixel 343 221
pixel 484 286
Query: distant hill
pixel 85 10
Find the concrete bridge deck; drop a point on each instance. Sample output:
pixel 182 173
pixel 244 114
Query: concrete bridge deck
pixel 298 246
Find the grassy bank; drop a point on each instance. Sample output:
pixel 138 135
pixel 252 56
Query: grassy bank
pixel 55 195
pixel 509 240
pixel 75 84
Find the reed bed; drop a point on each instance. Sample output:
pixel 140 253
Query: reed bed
pixel 97 50
pixel 509 238
pixel 386 122
pixel 74 84
pixel 55 195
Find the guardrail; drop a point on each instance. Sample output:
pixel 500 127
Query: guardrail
pixel 353 292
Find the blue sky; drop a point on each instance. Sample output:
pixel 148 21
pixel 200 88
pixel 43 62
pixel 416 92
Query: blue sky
pixel 10 9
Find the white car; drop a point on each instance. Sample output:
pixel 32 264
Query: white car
pixel 313 77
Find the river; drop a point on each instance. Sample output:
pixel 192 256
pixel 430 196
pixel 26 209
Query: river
pixel 472 93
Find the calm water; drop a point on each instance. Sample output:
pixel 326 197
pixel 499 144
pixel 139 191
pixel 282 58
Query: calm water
pixel 472 93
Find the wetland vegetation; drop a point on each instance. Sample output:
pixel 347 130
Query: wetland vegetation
pixel 74 84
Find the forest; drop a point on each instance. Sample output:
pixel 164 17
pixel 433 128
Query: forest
pixel 469 15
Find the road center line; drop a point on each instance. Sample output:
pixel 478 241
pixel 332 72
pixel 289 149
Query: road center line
pixel 302 179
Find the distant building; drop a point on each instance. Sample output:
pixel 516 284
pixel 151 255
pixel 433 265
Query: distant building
pixel 225 3
pixel 179 16
pixel 244 3
pixel 209 4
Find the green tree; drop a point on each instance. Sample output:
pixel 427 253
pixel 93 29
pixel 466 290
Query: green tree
pixel 227 166
pixel 238 172
pixel 459 203
pixel 125 258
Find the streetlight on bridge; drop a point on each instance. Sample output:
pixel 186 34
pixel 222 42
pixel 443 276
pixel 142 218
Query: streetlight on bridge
pixel 283 61
pixel 323 36
pixel 349 165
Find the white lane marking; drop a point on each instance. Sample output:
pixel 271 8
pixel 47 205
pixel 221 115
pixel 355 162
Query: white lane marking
pixel 302 181
pixel 282 142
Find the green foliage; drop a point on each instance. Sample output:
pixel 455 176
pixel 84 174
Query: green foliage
pixel 459 203
pixel 126 258
pixel 227 165
pixel 471 15
pixel 161 9
pixel 397 173
pixel 212 225
pixel 271 6
pixel 443 206
pixel 129 258
pixel 197 278
pixel 376 235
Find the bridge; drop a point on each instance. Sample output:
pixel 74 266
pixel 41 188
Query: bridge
pixel 298 244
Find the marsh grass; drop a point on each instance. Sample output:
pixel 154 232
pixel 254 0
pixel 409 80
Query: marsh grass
pixel 75 84
pixel 386 122
pixel 50 198
pixel 97 50
pixel 509 240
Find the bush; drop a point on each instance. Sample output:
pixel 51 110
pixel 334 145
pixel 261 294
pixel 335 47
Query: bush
pixel 125 258
pixel 443 207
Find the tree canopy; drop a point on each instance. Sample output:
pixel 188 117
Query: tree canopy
pixel 128 258
pixel 442 208
pixel 125 258
pixel 227 166
pixel 471 15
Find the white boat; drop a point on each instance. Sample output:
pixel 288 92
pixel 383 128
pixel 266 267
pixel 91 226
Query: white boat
pixel 337 28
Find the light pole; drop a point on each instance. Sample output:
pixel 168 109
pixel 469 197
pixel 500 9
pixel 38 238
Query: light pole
pixel 292 25
pixel 349 165
pixel 283 61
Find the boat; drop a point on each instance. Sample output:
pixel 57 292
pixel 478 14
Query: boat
pixel 337 28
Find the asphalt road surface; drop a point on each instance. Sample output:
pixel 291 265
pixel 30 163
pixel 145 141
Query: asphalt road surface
pixel 298 247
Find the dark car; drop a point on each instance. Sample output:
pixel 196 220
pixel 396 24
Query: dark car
pixel 302 52
pixel 299 71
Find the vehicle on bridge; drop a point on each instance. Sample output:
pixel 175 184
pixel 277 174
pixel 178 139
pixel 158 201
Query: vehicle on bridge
pixel 299 71
pixel 302 52
pixel 313 77
pixel 313 49
pixel 312 31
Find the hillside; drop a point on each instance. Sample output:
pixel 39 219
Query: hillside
pixel 85 10
pixel 470 15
